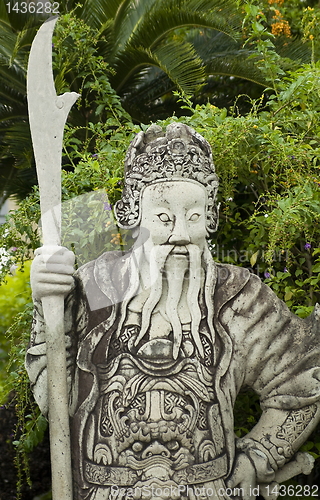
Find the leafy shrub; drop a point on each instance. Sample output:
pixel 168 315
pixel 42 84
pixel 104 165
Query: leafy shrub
pixel 15 295
pixel 268 164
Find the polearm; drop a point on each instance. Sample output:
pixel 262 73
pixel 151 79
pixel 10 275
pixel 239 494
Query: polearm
pixel 47 116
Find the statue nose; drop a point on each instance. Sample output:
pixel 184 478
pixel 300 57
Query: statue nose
pixel 155 448
pixel 179 235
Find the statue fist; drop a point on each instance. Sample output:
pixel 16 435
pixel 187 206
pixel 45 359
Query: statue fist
pixel 243 476
pixel 51 271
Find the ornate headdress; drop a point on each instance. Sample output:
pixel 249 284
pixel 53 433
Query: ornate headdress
pixel 154 156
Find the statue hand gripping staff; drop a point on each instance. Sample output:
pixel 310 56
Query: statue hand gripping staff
pixel 47 116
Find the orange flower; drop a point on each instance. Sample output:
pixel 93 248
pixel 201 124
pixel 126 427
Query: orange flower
pixel 281 27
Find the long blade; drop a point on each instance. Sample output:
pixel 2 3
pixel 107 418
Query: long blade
pixel 47 116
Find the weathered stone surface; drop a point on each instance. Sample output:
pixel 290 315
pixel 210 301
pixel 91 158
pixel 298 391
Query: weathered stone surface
pixel 161 340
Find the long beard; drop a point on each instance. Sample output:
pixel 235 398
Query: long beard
pixel 174 267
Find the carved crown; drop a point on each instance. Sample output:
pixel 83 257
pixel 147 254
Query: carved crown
pixel 180 153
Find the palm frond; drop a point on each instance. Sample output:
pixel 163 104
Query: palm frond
pixel 127 20
pixel 17 142
pixel 17 173
pixel 293 49
pixel 4 16
pixel 148 85
pixel 17 20
pixel 155 33
pixel 168 15
pixel 222 55
pixel 145 101
pixel 9 115
pixel 238 67
pixel 14 182
pixel 12 77
pixel 96 13
pixel 181 64
pixel 178 61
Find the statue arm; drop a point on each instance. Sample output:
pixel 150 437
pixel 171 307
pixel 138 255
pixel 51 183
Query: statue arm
pixel 289 389
pixel 277 437
pixel 277 355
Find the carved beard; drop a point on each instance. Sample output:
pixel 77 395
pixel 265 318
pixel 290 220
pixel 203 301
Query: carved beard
pixel 175 267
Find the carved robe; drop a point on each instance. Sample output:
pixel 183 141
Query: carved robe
pixel 138 415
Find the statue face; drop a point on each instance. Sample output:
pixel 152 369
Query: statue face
pixel 174 214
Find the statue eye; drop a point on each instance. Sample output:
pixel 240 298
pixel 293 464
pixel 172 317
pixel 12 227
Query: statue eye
pixel 194 217
pixel 164 217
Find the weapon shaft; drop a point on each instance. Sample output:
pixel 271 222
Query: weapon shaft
pixel 47 117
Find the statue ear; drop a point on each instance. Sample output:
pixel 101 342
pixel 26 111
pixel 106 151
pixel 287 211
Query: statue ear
pixel 127 210
pixel 213 219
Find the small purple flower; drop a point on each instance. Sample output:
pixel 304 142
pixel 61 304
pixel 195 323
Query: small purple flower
pixel 267 275
pixel 119 183
pixel 107 206
pixel 285 270
pixel 53 45
pixel 307 245
pixel 14 249
pixel 94 155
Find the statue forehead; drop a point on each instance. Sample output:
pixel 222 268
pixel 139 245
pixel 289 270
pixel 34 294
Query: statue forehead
pixel 174 192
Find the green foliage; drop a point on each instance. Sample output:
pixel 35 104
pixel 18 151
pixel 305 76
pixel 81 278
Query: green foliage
pixel 30 426
pixel 78 67
pixel 267 160
pixel 91 38
pixel 146 50
pixel 246 412
pixel 15 294
pixel 16 310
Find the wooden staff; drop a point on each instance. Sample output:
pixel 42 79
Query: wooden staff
pixel 47 116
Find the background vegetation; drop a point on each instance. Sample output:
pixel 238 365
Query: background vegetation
pixel 265 143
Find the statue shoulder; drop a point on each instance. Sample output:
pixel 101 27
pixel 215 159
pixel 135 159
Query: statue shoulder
pixel 232 280
pixel 104 280
pixel 230 275
pixel 105 260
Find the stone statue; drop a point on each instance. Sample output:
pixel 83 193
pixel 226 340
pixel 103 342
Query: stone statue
pixel 161 340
